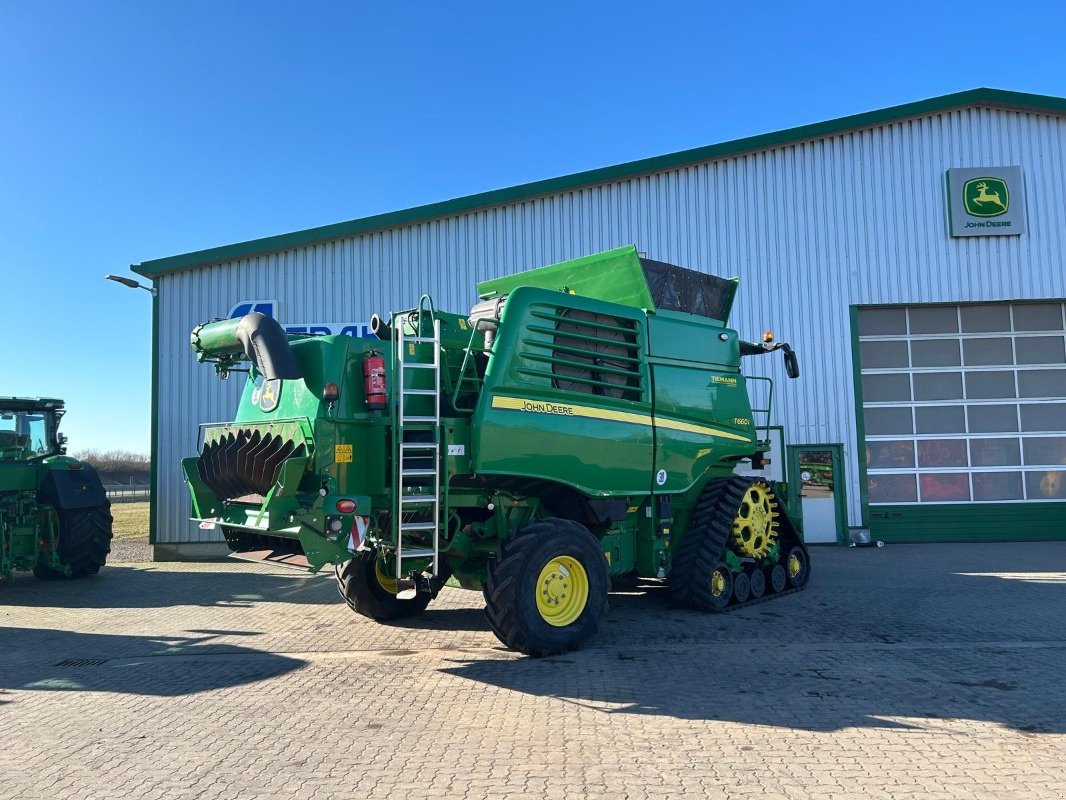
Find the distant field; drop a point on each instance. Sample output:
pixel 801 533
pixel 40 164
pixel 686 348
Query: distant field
pixel 131 520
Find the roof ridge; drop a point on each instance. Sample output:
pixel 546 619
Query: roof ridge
pixel 982 96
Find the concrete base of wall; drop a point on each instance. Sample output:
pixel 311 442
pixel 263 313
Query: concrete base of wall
pixel 194 551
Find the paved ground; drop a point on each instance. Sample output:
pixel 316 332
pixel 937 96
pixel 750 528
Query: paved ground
pixel 909 671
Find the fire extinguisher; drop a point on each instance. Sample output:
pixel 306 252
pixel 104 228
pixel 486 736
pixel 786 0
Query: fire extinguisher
pixel 374 381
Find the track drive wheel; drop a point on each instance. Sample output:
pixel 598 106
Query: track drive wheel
pixel 84 542
pixel 758 583
pixel 370 591
pixel 547 588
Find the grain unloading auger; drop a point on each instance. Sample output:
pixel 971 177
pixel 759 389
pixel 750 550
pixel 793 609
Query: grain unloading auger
pixel 582 422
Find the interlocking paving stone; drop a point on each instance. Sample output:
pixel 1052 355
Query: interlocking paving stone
pixel 912 671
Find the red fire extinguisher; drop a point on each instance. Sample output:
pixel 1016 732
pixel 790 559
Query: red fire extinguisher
pixel 374 381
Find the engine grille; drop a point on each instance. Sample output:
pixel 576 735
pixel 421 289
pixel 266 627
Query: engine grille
pixel 245 462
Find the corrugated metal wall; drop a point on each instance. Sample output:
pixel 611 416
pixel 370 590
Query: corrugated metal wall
pixel 811 228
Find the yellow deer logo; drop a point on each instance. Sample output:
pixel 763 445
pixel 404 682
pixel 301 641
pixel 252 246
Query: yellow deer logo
pixel 985 196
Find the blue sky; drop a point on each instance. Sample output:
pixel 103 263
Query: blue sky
pixel 131 131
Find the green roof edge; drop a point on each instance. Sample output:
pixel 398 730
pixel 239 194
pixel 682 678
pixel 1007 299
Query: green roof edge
pixel 528 191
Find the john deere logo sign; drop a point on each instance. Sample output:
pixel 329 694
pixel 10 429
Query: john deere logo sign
pixel 986 201
pixel 985 197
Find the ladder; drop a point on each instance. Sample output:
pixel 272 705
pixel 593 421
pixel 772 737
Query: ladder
pixel 417 487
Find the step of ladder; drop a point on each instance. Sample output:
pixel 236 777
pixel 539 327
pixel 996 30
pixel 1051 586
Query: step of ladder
pixel 417 420
pixel 417 554
pixel 417 499
pixel 418 446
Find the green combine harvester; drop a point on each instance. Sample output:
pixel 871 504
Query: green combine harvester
pixel 55 518
pixel 583 422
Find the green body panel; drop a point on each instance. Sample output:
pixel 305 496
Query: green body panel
pixel 625 445
pixel 523 426
pixel 614 276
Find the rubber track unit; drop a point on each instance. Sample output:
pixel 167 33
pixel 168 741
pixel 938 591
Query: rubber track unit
pixel 708 534
pixel 84 541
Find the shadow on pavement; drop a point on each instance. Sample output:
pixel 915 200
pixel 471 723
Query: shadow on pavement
pixel 148 587
pixel 99 662
pixel 897 640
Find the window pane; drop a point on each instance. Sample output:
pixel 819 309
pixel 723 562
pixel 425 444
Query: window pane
pixel 883 355
pixel 993 419
pixel 936 353
pixel 944 487
pixel 990 486
pixel 1042 383
pixel 934 319
pixel 1045 450
pixel 988 385
pixel 995 453
pixel 890 455
pixel 1037 317
pixel 892 488
pixel 1044 417
pixel 940 419
pixel 886 388
pixel 1050 485
pixel 987 352
pixel 1040 350
pixel 978 319
pixel 882 321
pixel 942 453
pixel 938 386
pixel 888 421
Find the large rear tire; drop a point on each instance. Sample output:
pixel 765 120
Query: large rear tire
pixel 547 588
pixel 369 591
pixel 84 542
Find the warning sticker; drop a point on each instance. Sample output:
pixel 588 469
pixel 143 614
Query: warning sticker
pixel 342 453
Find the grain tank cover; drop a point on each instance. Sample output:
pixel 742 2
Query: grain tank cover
pixel 622 276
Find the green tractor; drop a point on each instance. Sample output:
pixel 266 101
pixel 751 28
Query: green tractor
pixel 55 518
pixel 582 423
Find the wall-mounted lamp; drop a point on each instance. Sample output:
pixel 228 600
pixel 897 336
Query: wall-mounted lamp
pixel 130 282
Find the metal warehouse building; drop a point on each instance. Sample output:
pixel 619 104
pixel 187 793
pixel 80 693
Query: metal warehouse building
pixel 914 256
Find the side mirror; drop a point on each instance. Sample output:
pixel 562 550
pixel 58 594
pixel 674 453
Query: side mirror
pixel 792 366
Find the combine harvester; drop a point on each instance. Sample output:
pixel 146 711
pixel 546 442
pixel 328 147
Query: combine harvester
pixel 582 422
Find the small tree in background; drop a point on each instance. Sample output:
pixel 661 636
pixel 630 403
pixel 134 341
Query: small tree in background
pixel 119 466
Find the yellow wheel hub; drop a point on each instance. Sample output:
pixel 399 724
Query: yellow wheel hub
pixel 755 526
pixel 386 582
pixel 717 583
pixel 562 591
pixel 794 565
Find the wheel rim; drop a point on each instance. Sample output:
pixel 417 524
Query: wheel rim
pixel 797 567
pixel 386 583
pixel 755 525
pixel 718 584
pixel 562 591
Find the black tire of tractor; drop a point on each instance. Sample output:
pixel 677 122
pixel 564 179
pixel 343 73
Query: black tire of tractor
pixel 84 542
pixel 358 585
pixel 697 556
pixel 511 588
